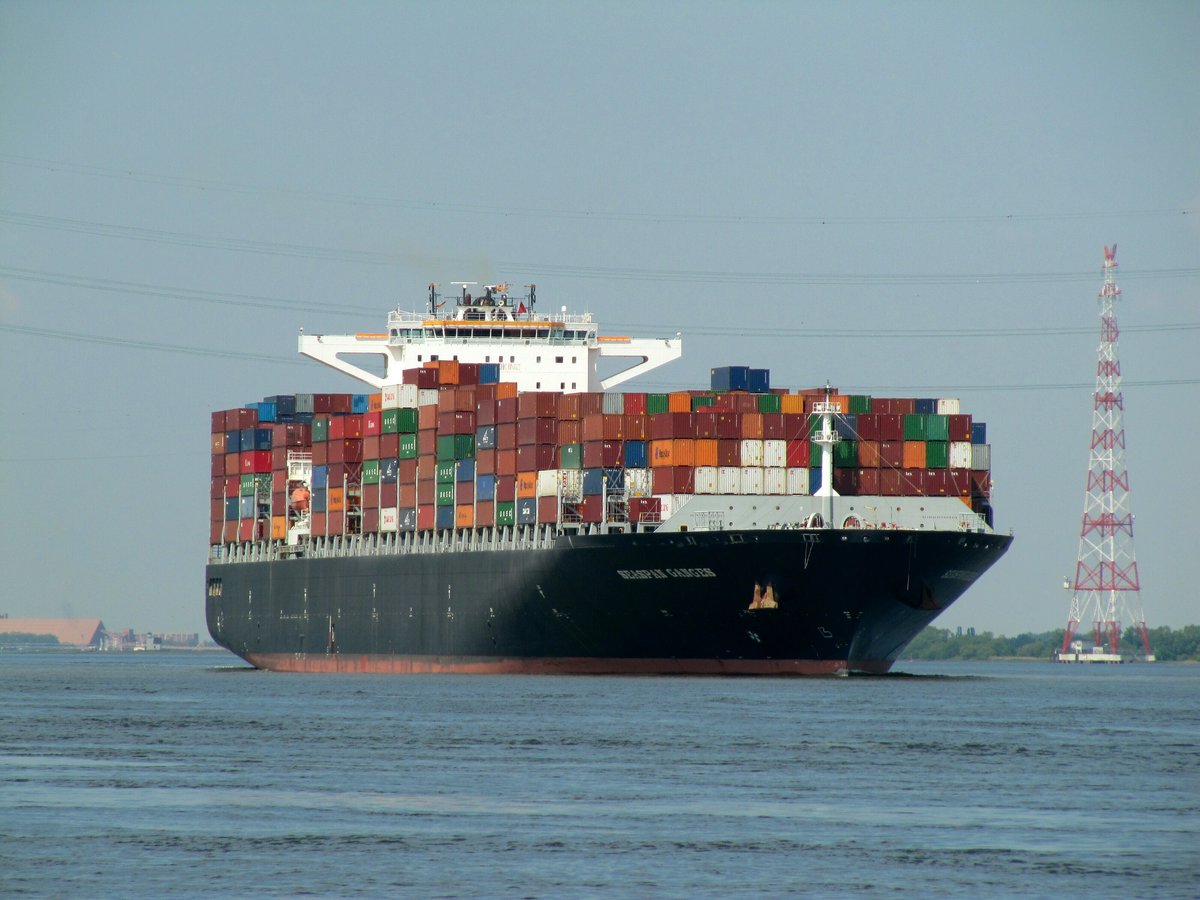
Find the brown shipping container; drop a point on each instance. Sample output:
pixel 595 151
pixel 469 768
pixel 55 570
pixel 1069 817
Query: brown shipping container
pixel 218 422
pixel 406 495
pixel 370 521
pixel 485 513
pixel 890 482
pixel 959 482
pixel 868 480
pixel 506 462
pixel 485 462
pixel 912 482
pixel 674 480
pixel 602 454
pixel 570 407
pixel 547 510
pixel 960 427
pixel 592 403
pixel 937 482
pixel 370 496
pixel 407 473
pixel 506 490
pixel 645 509
pixel 426 492
pixel 535 431
pixel 671 425
pixel 217 465
pixel 868 455
pixel 531 457
pixel 233 463
pixel 845 482
pixel 592 509
pixel 216 532
pixel 237 419
pixel 464 399
pixel 729 453
pixel 569 432
pixel 537 405
pixel 427 417
pixel 218 443
pixel 320 453
pixel 485 410
pixel 506 409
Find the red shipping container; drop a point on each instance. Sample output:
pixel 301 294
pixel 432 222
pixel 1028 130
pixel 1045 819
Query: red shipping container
pixel 535 431
pixel 218 423
pixel 506 489
pixel 635 405
pixel 320 453
pixel 912 482
pixel 745 403
pixel 531 457
pixel 890 427
pixel 484 394
pixel 345 427
pixel 506 410
pixel 593 403
pixel 279 457
pixel 959 482
pixel 537 405
pixel 402 495
pixel 891 482
pixel 485 462
pixel 464 397
pixel 426 492
pixel 845 482
pixel 216 487
pixel 247 529
pixel 485 411
pixel 427 416
pixel 370 521
pixel 981 482
pixel 255 462
pixel 464 491
pixel 389 446
pixel 237 419
pixel 426 517
pixel 547 513
pixel 960 427
pixel 506 463
pixel 867 426
pixel 570 407
pixel 672 425
pixel 773 429
pixel 485 514
pixel 446 398
pixel 674 480
pixel 799 454
pixel 344 451
pixel 729 426
pixel 371 447
pixel 891 454
pixel 468 373
pixel 278 480
pixel 216 509
pixel 506 436
pixel 407 473
pixel 592 508
pixel 426 379
pixel 230 535
pixel 593 427
pixel 370 496
pixel 868 481
pixel 729 453
pixel 372 424
pixel 706 423
pixel 217 467
pixel 569 432
pixel 937 482
pixel 645 509
pixel 602 454
pixel 216 532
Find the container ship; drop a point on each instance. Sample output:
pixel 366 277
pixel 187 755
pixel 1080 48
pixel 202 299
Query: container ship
pixel 492 505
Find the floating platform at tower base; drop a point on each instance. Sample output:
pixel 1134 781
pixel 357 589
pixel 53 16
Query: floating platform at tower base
pixel 1097 655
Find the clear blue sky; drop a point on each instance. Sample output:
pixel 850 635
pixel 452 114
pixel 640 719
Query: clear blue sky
pixel 791 185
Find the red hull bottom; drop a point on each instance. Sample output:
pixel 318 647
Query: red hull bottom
pixel 577 665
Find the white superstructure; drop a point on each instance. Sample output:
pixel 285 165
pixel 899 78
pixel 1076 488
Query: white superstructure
pixel 560 352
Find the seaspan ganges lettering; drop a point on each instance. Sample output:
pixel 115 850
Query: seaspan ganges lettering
pixel 642 574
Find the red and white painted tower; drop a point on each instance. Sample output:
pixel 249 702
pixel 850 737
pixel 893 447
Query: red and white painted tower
pixel 1106 581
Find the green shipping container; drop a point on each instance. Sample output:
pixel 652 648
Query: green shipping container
pixel 814 456
pixel 860 403
pixel 937 428
pixel 769 403
pixel 391 421
pixel 915 427
pixel 702 401
pixel 845 455
pixel 445 494
pixel 407 420
pixel 320 428
pixel 937 454
pixel 445 472
pixel 506 513
pixel 455 446
pixel 408 446
pixel 370 472
pixel 657 403
pixel 252 485
pixel 570 456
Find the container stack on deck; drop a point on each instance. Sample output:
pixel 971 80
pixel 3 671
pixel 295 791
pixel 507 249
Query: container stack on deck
pixel 454 447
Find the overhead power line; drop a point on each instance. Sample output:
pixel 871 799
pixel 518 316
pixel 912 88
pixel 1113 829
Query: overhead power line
pixel 443 207
pixel 691 276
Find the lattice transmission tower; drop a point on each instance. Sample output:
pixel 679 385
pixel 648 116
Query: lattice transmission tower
pixel 1106 584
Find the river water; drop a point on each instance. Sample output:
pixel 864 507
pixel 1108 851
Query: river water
pixel 188 774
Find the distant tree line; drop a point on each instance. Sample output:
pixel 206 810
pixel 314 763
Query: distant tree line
pixel 21 639
pixel 942 643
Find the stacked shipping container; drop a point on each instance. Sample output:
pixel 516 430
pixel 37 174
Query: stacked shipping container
pixel 454 447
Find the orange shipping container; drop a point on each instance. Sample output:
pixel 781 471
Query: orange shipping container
pixel 841 402
pixel 374 402
pixel 705 452
pixel 427 417
pixel 527 484
pixel 868 454
pixel 752 426
pixel 336 501
pixel 278 528
pixel 662 453
pixel 791 403
pixel 679 401
pixel 914 454
pixel 506 390
pixel 464 516
pixel 448 371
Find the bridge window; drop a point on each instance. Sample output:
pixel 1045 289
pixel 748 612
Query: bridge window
pixel 558 359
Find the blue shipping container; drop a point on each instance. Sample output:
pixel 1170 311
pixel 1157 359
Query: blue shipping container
pixel 320 476
pixel 233 441
pixel 389 469
pixel 926 407
pixel 729 378
pixel 593 481
pixel 246 507
pixel 285 405
pixel 489 373
pixel 318 500
pixel 445 517
pixel 978 432
pixel 231 508
pixel 359 404
pixel 635 454
pixel 266 410
pixel 526 512
pixel 846 426
pixel 485 487
pixel 407 520
pixel 814 479
pixel 465 470
pixel 485 437
pixel 760 381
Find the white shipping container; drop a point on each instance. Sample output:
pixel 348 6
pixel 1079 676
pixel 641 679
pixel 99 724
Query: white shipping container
pixel 389 519
pixel 752 453
pixel 613 404
pixel 671 503
pixel 948 406
pixel 752 479
pixel 547 482
pixel 407 396
pixel 774 480
pixel 427 397
pixel 960 454
pixel 706 479
pixel 639 482
pixel 729 480
pixel 797 481
pixel 774 454
pixel 391 396
pixel 981 456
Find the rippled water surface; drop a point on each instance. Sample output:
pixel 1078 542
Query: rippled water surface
pixel 152 774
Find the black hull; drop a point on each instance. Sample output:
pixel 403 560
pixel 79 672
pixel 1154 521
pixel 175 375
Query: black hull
pixel 645 603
